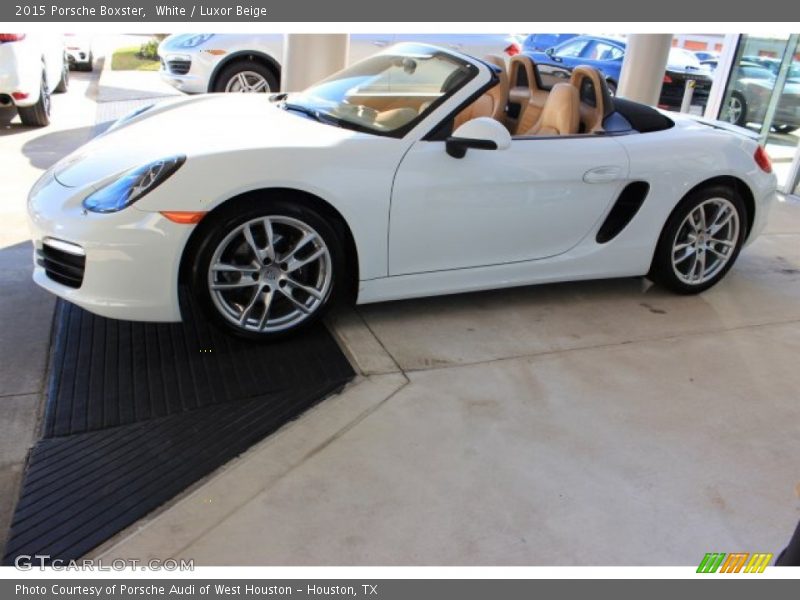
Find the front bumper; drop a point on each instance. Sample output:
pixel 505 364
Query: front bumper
pixel 77 56
pixel 765 199
pixel 186 72
pixel 132 257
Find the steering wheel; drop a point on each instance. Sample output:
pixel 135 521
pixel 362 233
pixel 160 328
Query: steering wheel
pixel 358 112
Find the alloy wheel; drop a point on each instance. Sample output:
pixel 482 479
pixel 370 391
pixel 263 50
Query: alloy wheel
pixel 706 240
pixel 247 82
pixel 735 109
pixel 270 274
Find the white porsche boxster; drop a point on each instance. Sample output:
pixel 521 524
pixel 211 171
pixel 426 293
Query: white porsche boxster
pixel 415 172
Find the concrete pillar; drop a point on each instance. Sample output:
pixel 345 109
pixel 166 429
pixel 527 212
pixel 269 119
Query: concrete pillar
pixel 644 66
pixel 309 57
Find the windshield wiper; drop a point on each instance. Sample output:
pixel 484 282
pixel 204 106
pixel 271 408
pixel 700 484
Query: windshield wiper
pixel 317 115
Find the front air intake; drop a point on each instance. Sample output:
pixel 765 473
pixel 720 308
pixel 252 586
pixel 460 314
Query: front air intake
pixel 61 264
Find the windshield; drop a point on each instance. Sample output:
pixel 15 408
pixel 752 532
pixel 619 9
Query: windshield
pixel 388 93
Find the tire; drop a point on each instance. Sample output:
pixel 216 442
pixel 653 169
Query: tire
pixel 37 115
pixel 88 66
pixel 736 109
pixel 691 251
pixel 259 77
pixel 785 128
pixel 63 83
pixel 250 283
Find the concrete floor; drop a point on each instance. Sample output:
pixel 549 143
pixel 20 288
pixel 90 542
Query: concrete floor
pixel 600 423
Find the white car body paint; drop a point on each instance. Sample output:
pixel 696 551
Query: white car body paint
pixel 495 218
pixel 78 48
pixel 22 63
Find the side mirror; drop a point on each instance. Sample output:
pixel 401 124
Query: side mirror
pixel 550 51
pixel 483 133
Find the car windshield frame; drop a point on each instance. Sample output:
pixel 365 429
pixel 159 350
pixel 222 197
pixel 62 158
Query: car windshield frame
pixel 300 101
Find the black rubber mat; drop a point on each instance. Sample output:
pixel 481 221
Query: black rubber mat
pixel 137 412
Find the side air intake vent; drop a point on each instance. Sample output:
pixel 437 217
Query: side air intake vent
pixel 625 208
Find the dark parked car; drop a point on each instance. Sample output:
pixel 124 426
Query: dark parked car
pixel 539 42
pixel 607 54
pixel 748 100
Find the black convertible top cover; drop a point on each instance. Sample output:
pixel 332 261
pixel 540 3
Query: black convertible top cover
pixel 642 118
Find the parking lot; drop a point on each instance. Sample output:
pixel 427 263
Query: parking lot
pixel 603 422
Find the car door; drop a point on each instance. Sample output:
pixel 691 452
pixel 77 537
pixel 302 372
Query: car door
pixel 536 199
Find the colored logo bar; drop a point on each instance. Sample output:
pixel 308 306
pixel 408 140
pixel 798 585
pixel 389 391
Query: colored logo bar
pixel 735 562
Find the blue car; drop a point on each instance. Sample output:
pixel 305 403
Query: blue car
pixel 539 42
pixel 606 55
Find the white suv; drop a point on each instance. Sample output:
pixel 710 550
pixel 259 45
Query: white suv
pixel 242 62
pixel 31 67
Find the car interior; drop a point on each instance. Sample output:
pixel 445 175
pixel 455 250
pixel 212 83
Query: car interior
pixel 579 105
pixel 575 102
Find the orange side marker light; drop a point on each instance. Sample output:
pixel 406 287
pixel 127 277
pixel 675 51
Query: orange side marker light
pixel 184 217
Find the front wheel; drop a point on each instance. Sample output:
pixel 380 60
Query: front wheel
pixel 267 271
pixel 736 110
pixel 700 241
pixel 88 66
pixel 246 77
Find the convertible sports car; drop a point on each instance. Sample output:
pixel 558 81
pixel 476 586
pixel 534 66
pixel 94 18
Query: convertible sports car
pixel 415 172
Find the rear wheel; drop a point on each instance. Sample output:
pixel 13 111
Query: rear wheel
pixel 267 271
pixel 63 83
pixel 700 241
pixel 37 115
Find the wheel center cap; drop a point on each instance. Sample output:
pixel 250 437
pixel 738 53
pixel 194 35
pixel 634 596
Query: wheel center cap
pixel 270 274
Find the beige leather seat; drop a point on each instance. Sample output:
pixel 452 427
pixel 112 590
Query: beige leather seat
pixel 561 112
pixel 524 93
pixel 593 95
pixel 492 103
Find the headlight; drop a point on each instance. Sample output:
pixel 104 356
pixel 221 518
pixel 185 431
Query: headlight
pixel 132 185
pixel 195 40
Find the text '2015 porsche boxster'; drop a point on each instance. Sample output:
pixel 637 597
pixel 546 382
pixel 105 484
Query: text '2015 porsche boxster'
pixel 415 172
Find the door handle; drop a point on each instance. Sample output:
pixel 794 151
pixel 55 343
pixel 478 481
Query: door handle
pixel 380 43
pixel 602 174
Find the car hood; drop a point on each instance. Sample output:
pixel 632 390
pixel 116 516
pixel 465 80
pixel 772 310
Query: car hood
pixel 194 126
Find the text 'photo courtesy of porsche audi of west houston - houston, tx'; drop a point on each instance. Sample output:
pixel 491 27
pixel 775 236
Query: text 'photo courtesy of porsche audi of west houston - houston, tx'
pixel 407 174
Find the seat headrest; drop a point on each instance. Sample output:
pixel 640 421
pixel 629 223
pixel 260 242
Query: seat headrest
pixel 522 72
pixel 596 100
pixel 560 114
